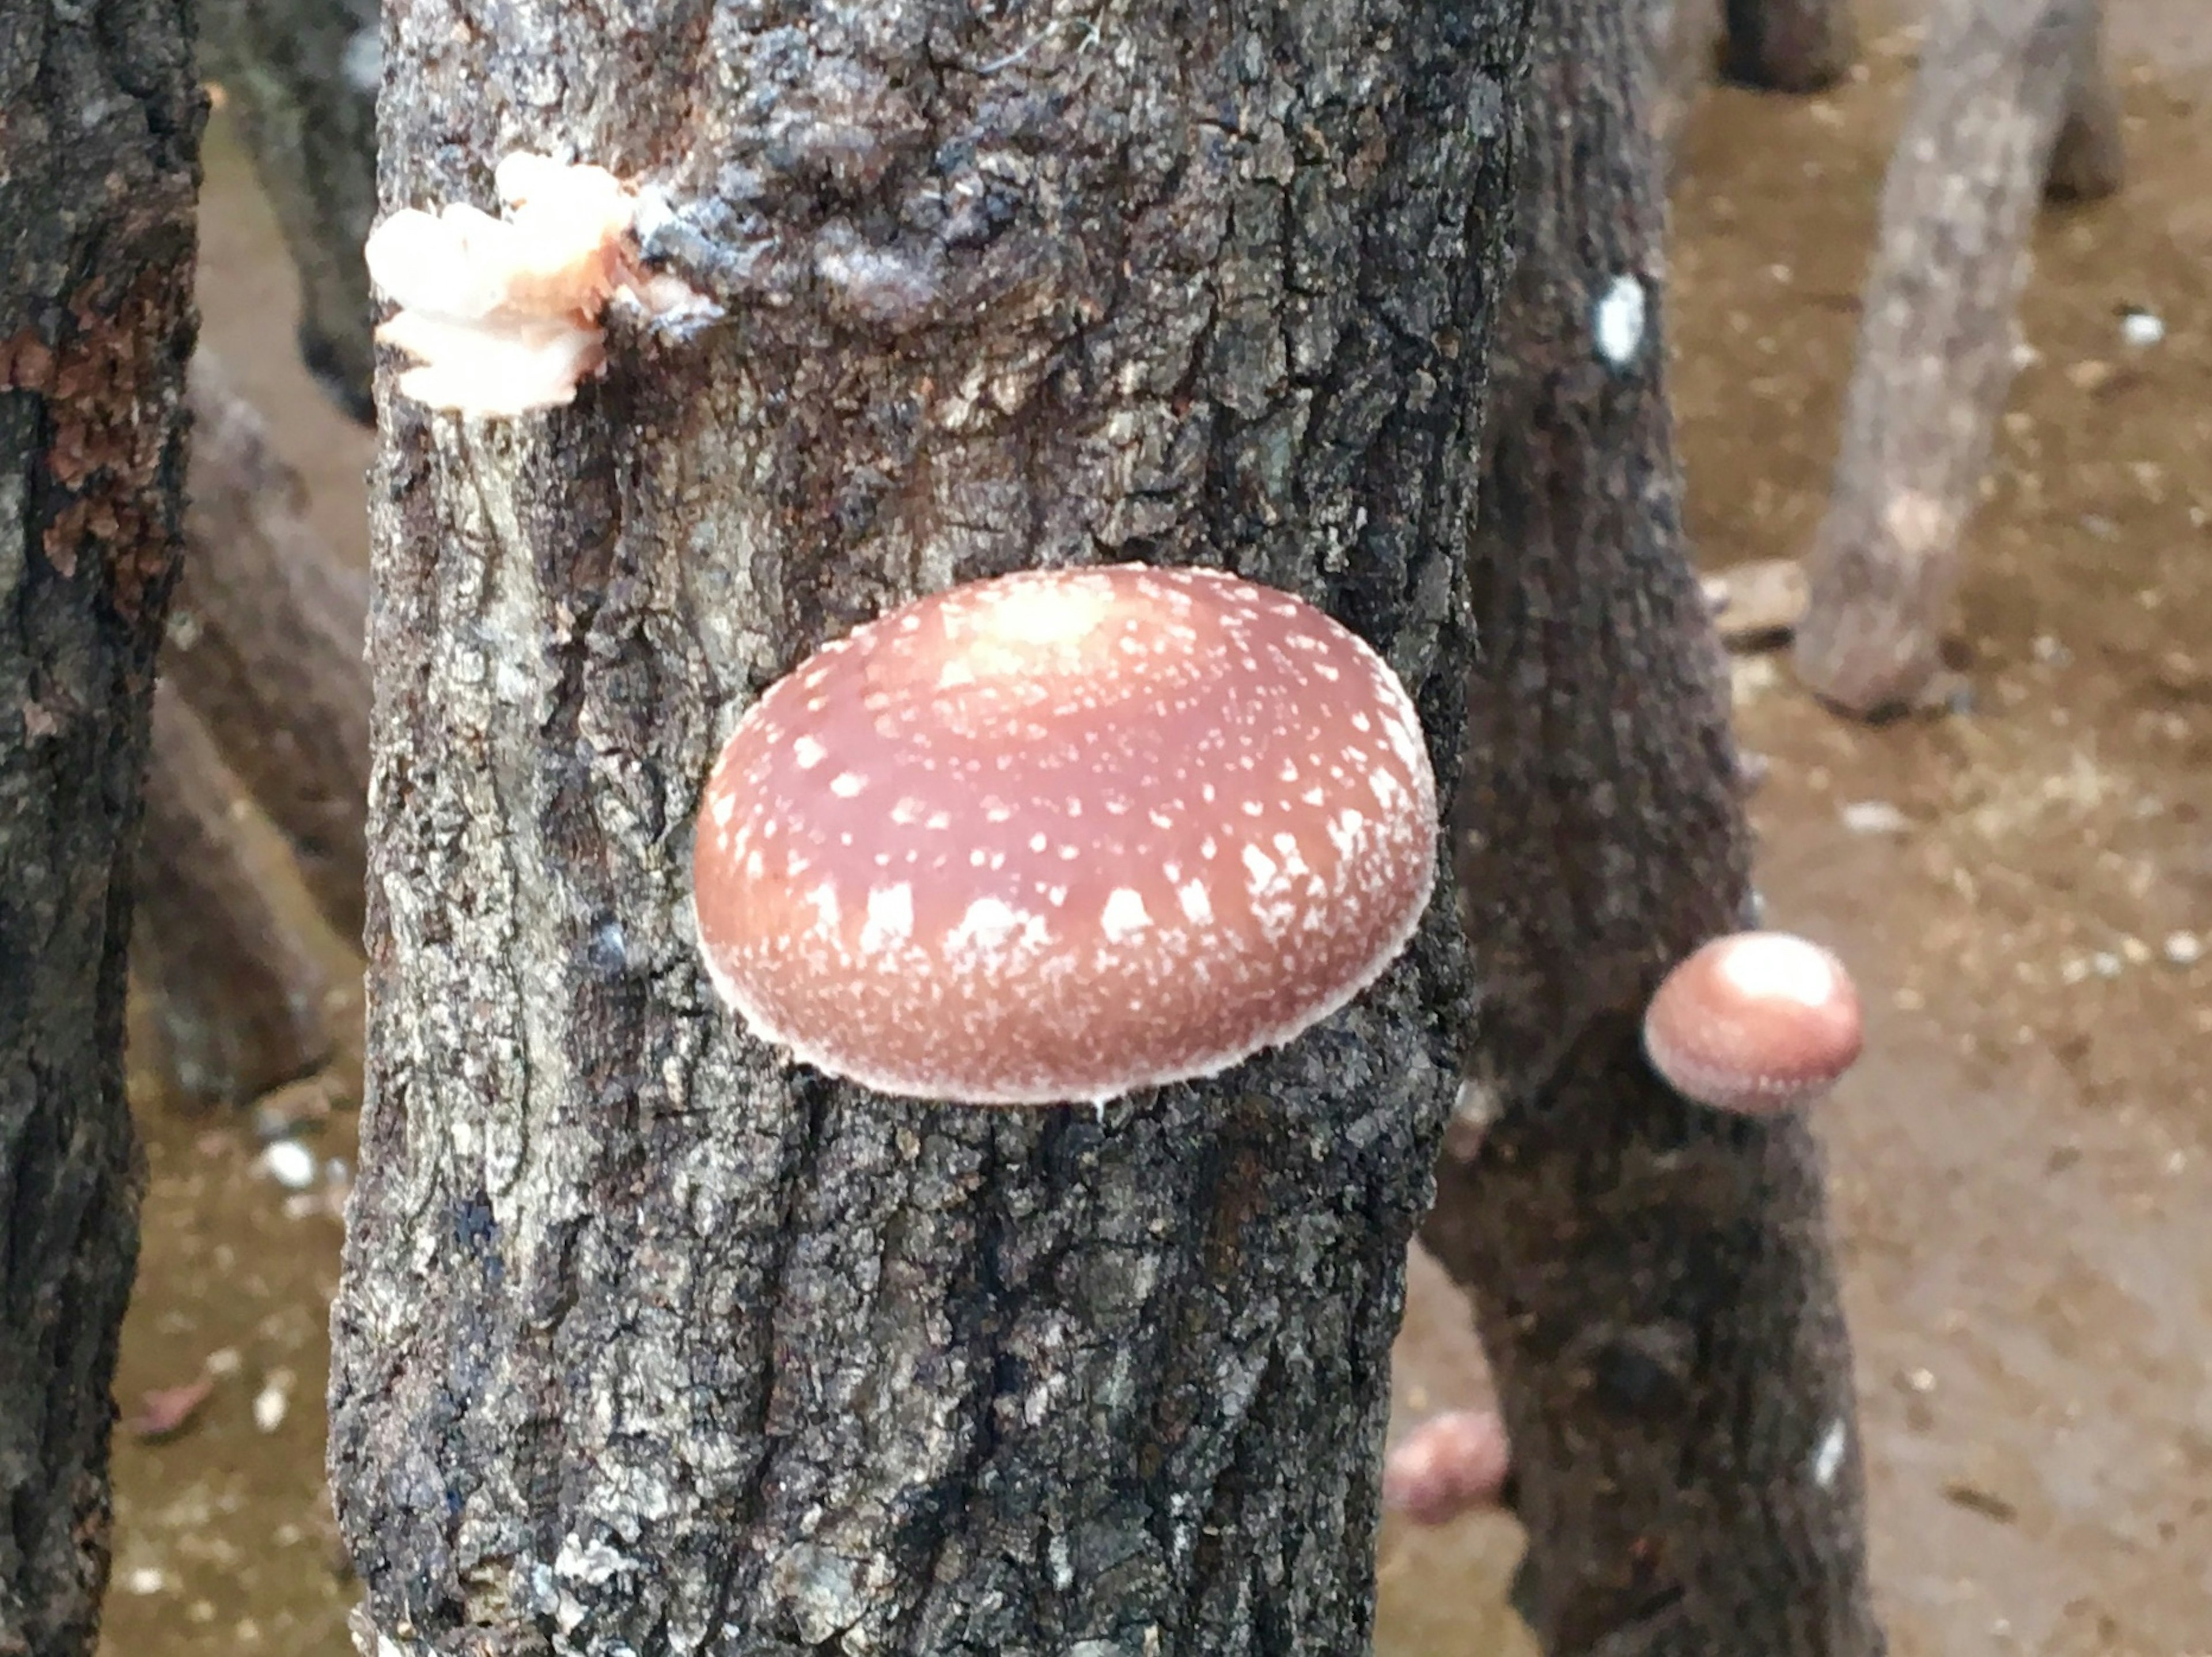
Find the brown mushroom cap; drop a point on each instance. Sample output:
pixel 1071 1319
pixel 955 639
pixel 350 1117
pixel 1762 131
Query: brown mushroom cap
pixel 1754 1022
pixel 1064 834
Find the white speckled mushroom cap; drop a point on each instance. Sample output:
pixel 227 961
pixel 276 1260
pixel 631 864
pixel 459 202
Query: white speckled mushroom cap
pixel 1064 834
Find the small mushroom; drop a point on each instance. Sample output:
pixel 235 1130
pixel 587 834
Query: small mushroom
pixel 1065 834
pixel 1754 1022
pixel 1449 1464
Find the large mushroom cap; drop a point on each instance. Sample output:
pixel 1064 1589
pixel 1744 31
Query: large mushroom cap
pixel 1064 834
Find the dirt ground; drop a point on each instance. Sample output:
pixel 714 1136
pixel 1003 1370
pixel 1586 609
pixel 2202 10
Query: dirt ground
pixel 2022 1165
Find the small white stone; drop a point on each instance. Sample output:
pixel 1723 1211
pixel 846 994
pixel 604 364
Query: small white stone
pixel 274 1401
pixel 290 1164
pixel 1617 321
pixel 2141 329
pixel 1874 816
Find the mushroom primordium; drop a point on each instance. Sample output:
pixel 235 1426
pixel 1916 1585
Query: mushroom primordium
pixel 1754 1022
pixel 1061 835
pixel 1449 1464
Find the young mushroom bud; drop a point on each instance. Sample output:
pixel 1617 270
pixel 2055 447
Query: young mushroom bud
pixel 1065 834
pixel 1754 1022
pixel 1449 1464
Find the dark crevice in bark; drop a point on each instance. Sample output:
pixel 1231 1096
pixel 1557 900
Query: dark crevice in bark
pixel 1652 1281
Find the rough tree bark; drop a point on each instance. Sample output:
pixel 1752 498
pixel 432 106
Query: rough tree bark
pixel 236 993
pixel 1652 1280
pixel 265 645
pixel 1935 346
pixel 2089 160
pixel 97 148
pixel 647 1340
pixel 302 76
pixel 1791 45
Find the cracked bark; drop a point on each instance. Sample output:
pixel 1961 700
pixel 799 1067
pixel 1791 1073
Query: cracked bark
pixel 645 1340
pixel 1935 345
pixel 301 77
pixel 265 645
pixel 97 180
pixel 1791 45
pixel 236 993
pixel 1653 1282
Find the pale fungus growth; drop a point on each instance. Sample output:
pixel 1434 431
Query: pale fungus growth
pixel 1617 320
pixel 1755 1023
pixel 1065 834
pixel 1450 1464
pixel 504 315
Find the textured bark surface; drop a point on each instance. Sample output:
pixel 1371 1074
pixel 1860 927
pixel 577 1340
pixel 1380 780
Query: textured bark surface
pixel 301 77
pixel 2090 159
pixel 236 994
pixel 98 143
pixel 1653 1282
pixel 265 643
pixel 1791 45
pixel 648 1341
pixel 1935 346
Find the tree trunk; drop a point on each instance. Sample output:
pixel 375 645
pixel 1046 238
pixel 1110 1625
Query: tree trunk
pixel 2089 160
pixel 1685 38
pixel 1653 1282
pixel 648 1341
pixel 236 994
pixel 266 646
pixel 1791 45
pixel 97 149
pixel 302 76
pixel 1935 346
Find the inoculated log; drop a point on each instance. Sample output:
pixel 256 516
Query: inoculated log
pixel 265 645
pixel 1935 345
pixel 1653 1282
pixel 101 116
pixel 2089 161
pixel 301 75
pixel 237 996
pixel 1791 45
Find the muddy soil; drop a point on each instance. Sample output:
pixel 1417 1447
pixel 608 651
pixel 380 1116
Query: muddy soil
pixel 2022 1164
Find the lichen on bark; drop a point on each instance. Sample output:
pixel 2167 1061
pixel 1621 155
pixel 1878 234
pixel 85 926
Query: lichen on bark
pixel 647 1340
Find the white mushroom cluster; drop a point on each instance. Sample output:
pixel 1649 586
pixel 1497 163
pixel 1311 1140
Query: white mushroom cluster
pixel 503 314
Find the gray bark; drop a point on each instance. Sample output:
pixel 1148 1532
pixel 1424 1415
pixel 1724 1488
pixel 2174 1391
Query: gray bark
pixel 1653 1282
pixel 2089 160
pixel 1791 45
pixel 1935 346
pixel 301 77
pixel 266 645
pixel 647 1340
pixel 236 994
pixel 97 179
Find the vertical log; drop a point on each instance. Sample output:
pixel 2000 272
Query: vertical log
pixel 236 994
pixel 265 645
pixel 1935 346
pixel 301 77
pixel 1791 45
pixel 1653 1282
pixel 648 1339
pixel 2089 160
pixel 98 142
